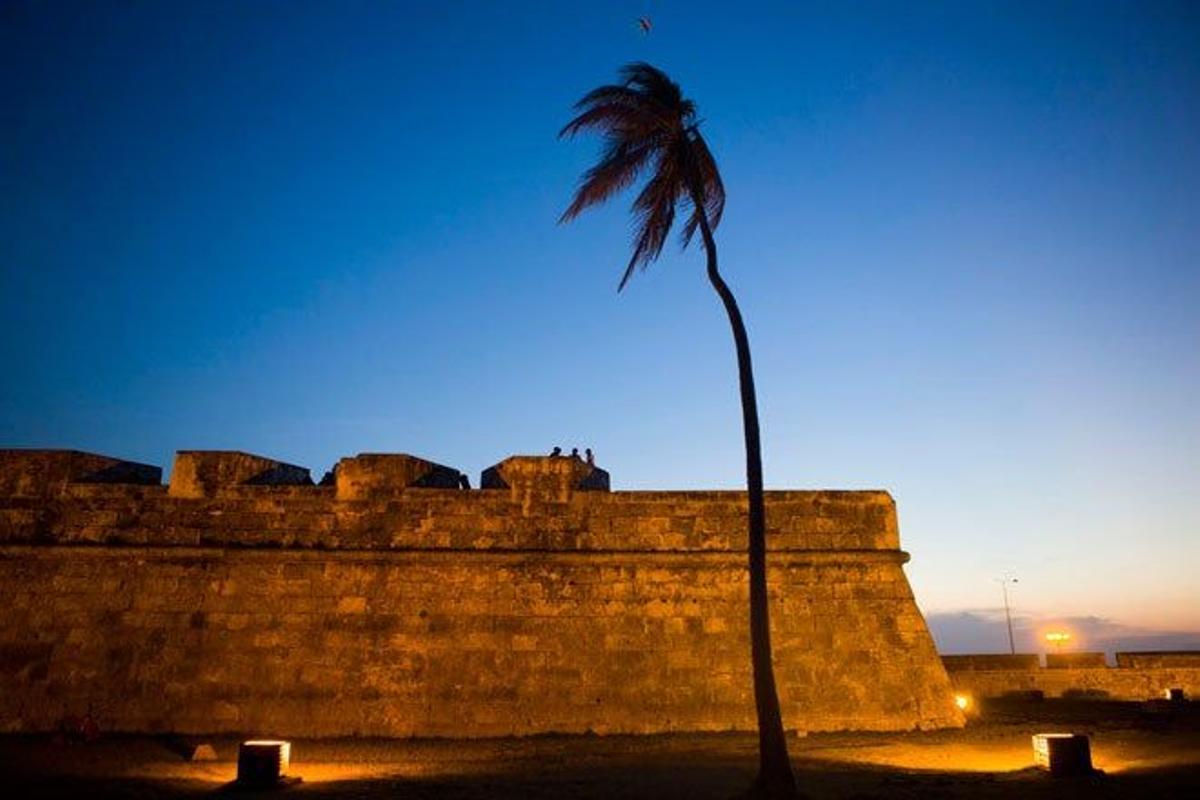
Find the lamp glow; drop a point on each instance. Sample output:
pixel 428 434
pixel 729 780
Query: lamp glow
pixel 963 701
pixel 1058 638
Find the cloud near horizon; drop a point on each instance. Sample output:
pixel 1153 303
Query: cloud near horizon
pixel 983 631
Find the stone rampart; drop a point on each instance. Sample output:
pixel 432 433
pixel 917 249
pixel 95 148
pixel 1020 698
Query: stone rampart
pixel 1075 660
pixel 1137 676
pixel 368 475
pixel 303 610
pixel 991 661
pixel 205 473
pixel 1160 659
pixel 46 473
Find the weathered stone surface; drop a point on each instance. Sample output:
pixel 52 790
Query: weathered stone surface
pixel 449 613
pixel 311 517
pixel 991 661
pixel 373 474
pixel 1075 660
pixel 1160 658
pixel 544 479
pixel 1134 677
pixel 46 473
pixel 205 473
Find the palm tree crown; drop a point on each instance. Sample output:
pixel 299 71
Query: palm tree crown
pixel 647 123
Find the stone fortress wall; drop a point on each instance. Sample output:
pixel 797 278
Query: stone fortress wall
pixel 242 598
pixel 1136 676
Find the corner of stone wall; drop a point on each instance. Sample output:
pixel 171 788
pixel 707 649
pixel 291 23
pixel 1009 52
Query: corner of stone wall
pixel 539 480
pixel 369 475
pixel 48 473
pixel 205 473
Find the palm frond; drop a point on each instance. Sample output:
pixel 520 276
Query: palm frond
pixel 618 167
pixel 648 126
pixel 652 82
pixel 712 187
pixel 654 211
pixel 611 93
pixel 610 118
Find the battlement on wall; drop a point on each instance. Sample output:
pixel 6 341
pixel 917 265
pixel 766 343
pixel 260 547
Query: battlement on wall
pixel 396 501
pixel 49 473
pixel 211 473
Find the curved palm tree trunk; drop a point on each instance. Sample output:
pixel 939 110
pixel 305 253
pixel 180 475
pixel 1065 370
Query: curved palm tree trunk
pixel 775 777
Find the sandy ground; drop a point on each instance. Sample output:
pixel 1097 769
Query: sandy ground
pixel 1142 751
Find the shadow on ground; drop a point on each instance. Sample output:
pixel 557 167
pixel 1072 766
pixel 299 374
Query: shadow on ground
pixel 666 781
pixel 1148 751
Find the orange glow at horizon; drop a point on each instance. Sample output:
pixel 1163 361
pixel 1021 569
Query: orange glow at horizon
pixel 1058 639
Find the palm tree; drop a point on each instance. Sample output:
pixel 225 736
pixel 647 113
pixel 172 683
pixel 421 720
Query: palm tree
pixel 649 126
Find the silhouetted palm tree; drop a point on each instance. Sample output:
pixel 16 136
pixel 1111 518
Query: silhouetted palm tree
pixel 650 127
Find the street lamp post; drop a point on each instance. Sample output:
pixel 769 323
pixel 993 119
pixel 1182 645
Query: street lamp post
pixel 1004 582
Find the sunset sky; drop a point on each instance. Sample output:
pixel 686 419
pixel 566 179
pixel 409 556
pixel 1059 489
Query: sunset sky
pixel 965 236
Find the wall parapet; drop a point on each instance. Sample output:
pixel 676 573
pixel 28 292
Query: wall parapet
pixel 205 473
pixel 1076 660
pixel 1137 676
pixel 47 473
pixel 313 517
pixel 1159 658
pixel 991 661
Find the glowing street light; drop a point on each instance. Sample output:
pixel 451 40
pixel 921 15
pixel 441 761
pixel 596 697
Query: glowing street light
pixel 1058 638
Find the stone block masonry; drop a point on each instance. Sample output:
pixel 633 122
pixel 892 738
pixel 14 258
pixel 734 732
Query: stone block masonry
pixel 46 473
pixel 204 473
pixel 284 609
pixel 1136 677
pixel 1075 660
pixel 374 474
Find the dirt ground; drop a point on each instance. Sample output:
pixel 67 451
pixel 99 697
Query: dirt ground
pixel 1142 750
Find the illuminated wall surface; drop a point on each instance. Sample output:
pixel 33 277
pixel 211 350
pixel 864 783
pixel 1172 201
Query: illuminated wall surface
pixel 1136 676
pixel 240 599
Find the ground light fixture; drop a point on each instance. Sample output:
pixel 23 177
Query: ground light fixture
pixel 1063 754
pixel 963 701
pixel 263 763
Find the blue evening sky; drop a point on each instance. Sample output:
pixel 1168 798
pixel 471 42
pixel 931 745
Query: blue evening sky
pixel 965 237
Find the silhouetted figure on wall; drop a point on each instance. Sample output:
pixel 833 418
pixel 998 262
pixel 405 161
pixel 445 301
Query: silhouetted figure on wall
pixel 574 452
pixel 591 459
pixel 556 452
